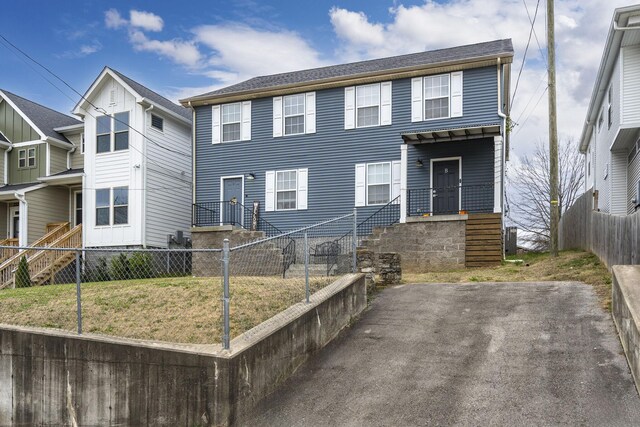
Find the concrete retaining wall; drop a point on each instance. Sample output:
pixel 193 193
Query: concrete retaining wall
pixel 52 377
pixel 626 313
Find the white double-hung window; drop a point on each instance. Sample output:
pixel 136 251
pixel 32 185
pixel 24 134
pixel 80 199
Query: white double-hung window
pixel 377 183
pixel 367 105
pixel 231 122
pixel 294 114
pixel 286 190
pixel 436 97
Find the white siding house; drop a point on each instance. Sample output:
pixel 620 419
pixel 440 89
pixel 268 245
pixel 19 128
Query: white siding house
pixel 137 186
pixel 611 133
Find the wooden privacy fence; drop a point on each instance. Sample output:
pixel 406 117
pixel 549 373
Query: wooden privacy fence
pixel 615 239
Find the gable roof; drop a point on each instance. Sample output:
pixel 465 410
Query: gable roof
pixel 139 90
pixel 497 48
pixel 615 40
pixel 43 118
pixel 154 97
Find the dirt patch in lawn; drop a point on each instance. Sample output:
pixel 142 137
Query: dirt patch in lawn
pixel 182 310
pixel 568 266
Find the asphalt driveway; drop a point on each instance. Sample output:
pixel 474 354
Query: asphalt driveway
pixel 473 354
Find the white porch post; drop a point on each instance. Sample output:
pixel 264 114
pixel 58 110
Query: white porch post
pixel 403 182
pixel 23 221
pixel 497 174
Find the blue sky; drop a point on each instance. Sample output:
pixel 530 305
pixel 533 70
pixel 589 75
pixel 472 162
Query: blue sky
pixel 189 47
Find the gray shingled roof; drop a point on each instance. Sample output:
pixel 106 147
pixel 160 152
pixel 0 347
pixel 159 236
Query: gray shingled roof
pixel 154 97
pixel 43 117
pixel 3 138
pixel 493 48
pixel 69 172
pixel 16 187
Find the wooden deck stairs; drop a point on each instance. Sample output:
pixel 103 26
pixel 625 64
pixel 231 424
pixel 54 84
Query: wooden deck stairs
pixel 483 237
pixel 44 264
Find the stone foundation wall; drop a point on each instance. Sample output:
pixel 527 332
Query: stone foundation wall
pixel 264 259
pixel 423 246
pixel 382 269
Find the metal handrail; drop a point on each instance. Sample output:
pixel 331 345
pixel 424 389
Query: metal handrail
pixel 476 198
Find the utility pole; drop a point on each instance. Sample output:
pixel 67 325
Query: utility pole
pixel 553 132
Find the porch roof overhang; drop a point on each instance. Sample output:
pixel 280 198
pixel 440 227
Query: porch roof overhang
pixel 68 177
pixel 625 138
pixel 451 134
pixel 8 192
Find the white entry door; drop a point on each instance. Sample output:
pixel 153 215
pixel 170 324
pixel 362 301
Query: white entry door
pixel 14 222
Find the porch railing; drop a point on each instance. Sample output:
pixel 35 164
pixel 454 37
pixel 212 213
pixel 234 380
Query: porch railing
pixel 209 214
pixel 477 198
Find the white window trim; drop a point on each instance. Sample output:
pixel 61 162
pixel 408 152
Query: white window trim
pixel 367 184
pixel 217 126
pixel 425 98
pixel 362 182
pixel 151 126
pixel 302 190
pixel 303 114
pixel 222 123
pixel 609 107
pixel 82 143
pixel 22 155
pixel 445 159
pixel 111 208
pixel 379 105
pixel 112 133
pixel 276 191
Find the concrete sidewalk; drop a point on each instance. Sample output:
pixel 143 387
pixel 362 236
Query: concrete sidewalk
pixel 473 354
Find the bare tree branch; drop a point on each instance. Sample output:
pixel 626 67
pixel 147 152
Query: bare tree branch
pixel 530 191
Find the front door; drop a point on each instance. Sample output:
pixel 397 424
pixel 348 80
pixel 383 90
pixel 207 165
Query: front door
pixel 445 191
pixel 14 222
pixel 232 198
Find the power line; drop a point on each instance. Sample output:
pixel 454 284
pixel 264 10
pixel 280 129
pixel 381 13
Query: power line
pixel 535 34
pixel 524 58
pixel 534 108
pixel 533 95
pixel 98 109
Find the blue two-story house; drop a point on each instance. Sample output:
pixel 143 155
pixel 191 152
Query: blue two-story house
pixel 425 131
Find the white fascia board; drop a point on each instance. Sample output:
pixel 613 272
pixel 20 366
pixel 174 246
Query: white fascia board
pixel 147 101
pixel 70 129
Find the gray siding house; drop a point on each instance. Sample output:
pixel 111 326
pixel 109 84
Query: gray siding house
pixel 425 131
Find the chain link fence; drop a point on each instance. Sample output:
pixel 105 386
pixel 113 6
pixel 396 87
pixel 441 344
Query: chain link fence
pixel 199 296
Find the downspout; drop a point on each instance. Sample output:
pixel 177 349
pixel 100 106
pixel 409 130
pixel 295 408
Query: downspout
pixel 6 164
pixel 143 171
pixel 23 223
pixel 504 142
pixel 193 156
pixel 69 153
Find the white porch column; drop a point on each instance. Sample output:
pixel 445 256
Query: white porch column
pixel 497 174
pixel 403 182
pixel 23 221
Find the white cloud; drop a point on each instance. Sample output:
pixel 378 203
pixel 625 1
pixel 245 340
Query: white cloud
pixel 146 20
pixel 113 19
pixel 246 52
pixel 356 28
pixel 179 51
pixel 83 50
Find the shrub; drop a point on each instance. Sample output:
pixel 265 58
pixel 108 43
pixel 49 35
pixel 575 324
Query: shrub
pixel 97 272
pixel 141 265
pixel 120 268
pixel 22 276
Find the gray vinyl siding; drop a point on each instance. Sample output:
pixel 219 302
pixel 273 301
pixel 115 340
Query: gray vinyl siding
pixel 631 84
pixel 77 157
pixel 633 177
pixel 27 174
pixel 46 205
pixel 168 182
pixel 57 160
pixel 332 152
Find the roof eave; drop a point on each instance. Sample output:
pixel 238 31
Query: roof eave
pixel 58 143
pixel 70 128
pixel 147 101
pixel 476 62
pixel 607 63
